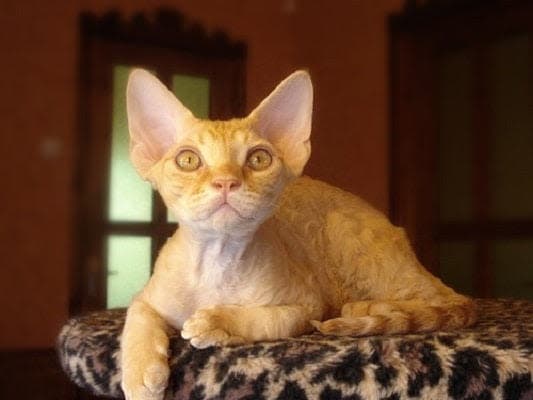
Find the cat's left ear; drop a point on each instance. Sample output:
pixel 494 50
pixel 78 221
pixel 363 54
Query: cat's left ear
pixel 284 119
pixel 156 119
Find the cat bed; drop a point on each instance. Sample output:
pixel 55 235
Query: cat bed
pixel 492 360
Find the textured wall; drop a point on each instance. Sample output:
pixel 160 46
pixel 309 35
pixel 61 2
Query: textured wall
pixel 343 43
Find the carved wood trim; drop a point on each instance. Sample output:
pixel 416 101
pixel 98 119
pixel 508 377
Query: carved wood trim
pixel 165 28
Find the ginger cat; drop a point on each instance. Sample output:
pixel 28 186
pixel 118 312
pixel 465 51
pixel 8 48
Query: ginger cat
pixel 261 253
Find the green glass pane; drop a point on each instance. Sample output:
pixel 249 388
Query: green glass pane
pixel 456 263
pixel 511 268
pixel 193 92
pixel 130 198
pixel 455 147
pixel 128 268
pixel 510 81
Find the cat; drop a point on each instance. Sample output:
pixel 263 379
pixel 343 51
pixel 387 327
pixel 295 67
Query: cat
pixel 262 253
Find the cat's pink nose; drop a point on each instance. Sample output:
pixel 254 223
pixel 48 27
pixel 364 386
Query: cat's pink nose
pixel 226 184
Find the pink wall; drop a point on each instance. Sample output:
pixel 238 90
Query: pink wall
pixel 342 43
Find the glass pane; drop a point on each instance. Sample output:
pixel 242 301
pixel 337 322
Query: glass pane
pixel 511 144
pixel 455 137
pixel 193 92
pixel 456 263
pixel 130 198
pixel 512 268
pixel 128 268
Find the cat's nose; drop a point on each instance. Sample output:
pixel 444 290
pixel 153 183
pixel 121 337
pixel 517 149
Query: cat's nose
pixel 226 184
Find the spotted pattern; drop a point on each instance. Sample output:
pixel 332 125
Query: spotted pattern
pixel 492 360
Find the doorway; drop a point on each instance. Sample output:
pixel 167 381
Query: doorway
pixel 462 139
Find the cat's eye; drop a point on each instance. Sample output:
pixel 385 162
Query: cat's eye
pixel 188 160
pixel 259 160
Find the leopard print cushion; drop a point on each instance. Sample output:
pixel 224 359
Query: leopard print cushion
pixel 493 360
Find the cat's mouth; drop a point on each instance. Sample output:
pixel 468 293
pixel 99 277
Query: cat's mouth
pixel 225 208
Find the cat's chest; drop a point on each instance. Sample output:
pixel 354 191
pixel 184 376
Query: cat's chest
pixel 266 273
pixel 223 284
pixel 214 288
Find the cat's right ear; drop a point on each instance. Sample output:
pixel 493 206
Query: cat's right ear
pixel 156 119
pixel 284 118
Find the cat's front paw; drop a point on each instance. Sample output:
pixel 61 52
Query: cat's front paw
pixel 207 328
pixel 146 382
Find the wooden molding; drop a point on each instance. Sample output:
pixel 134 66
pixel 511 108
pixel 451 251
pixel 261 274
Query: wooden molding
pixel 166 28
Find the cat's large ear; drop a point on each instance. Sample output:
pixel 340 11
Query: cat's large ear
pixel 156 119
pixel 284 119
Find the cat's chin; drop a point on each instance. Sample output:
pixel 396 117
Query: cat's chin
pixel 227 210
pixel 228 219
pixel 223 220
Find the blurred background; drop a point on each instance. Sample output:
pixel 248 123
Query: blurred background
pixel 423 108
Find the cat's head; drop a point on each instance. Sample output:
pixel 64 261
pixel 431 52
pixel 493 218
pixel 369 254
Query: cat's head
pixel 219 175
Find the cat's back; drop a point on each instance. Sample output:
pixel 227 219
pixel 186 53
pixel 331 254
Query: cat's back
pixel 313 199
pixel 328 230
pixel 312 210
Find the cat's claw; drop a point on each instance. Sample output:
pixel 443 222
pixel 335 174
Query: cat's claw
pixel 203 330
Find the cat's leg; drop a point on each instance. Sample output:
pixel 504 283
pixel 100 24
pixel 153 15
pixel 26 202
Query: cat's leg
pixel 377 263
pixel 144 359
pixel 223 325
pixel 400 316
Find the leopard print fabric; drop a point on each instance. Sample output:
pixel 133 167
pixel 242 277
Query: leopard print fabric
pixel 493 360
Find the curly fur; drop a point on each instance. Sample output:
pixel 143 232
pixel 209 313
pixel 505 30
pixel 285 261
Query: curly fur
pixel 262 254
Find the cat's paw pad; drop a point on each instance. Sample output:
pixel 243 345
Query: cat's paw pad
pixel 205 329
pixel 146 383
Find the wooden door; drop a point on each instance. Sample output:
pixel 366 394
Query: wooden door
pixel 461 141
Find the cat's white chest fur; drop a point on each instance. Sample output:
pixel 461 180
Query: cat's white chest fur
pixel 197 276
pixel 191 274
